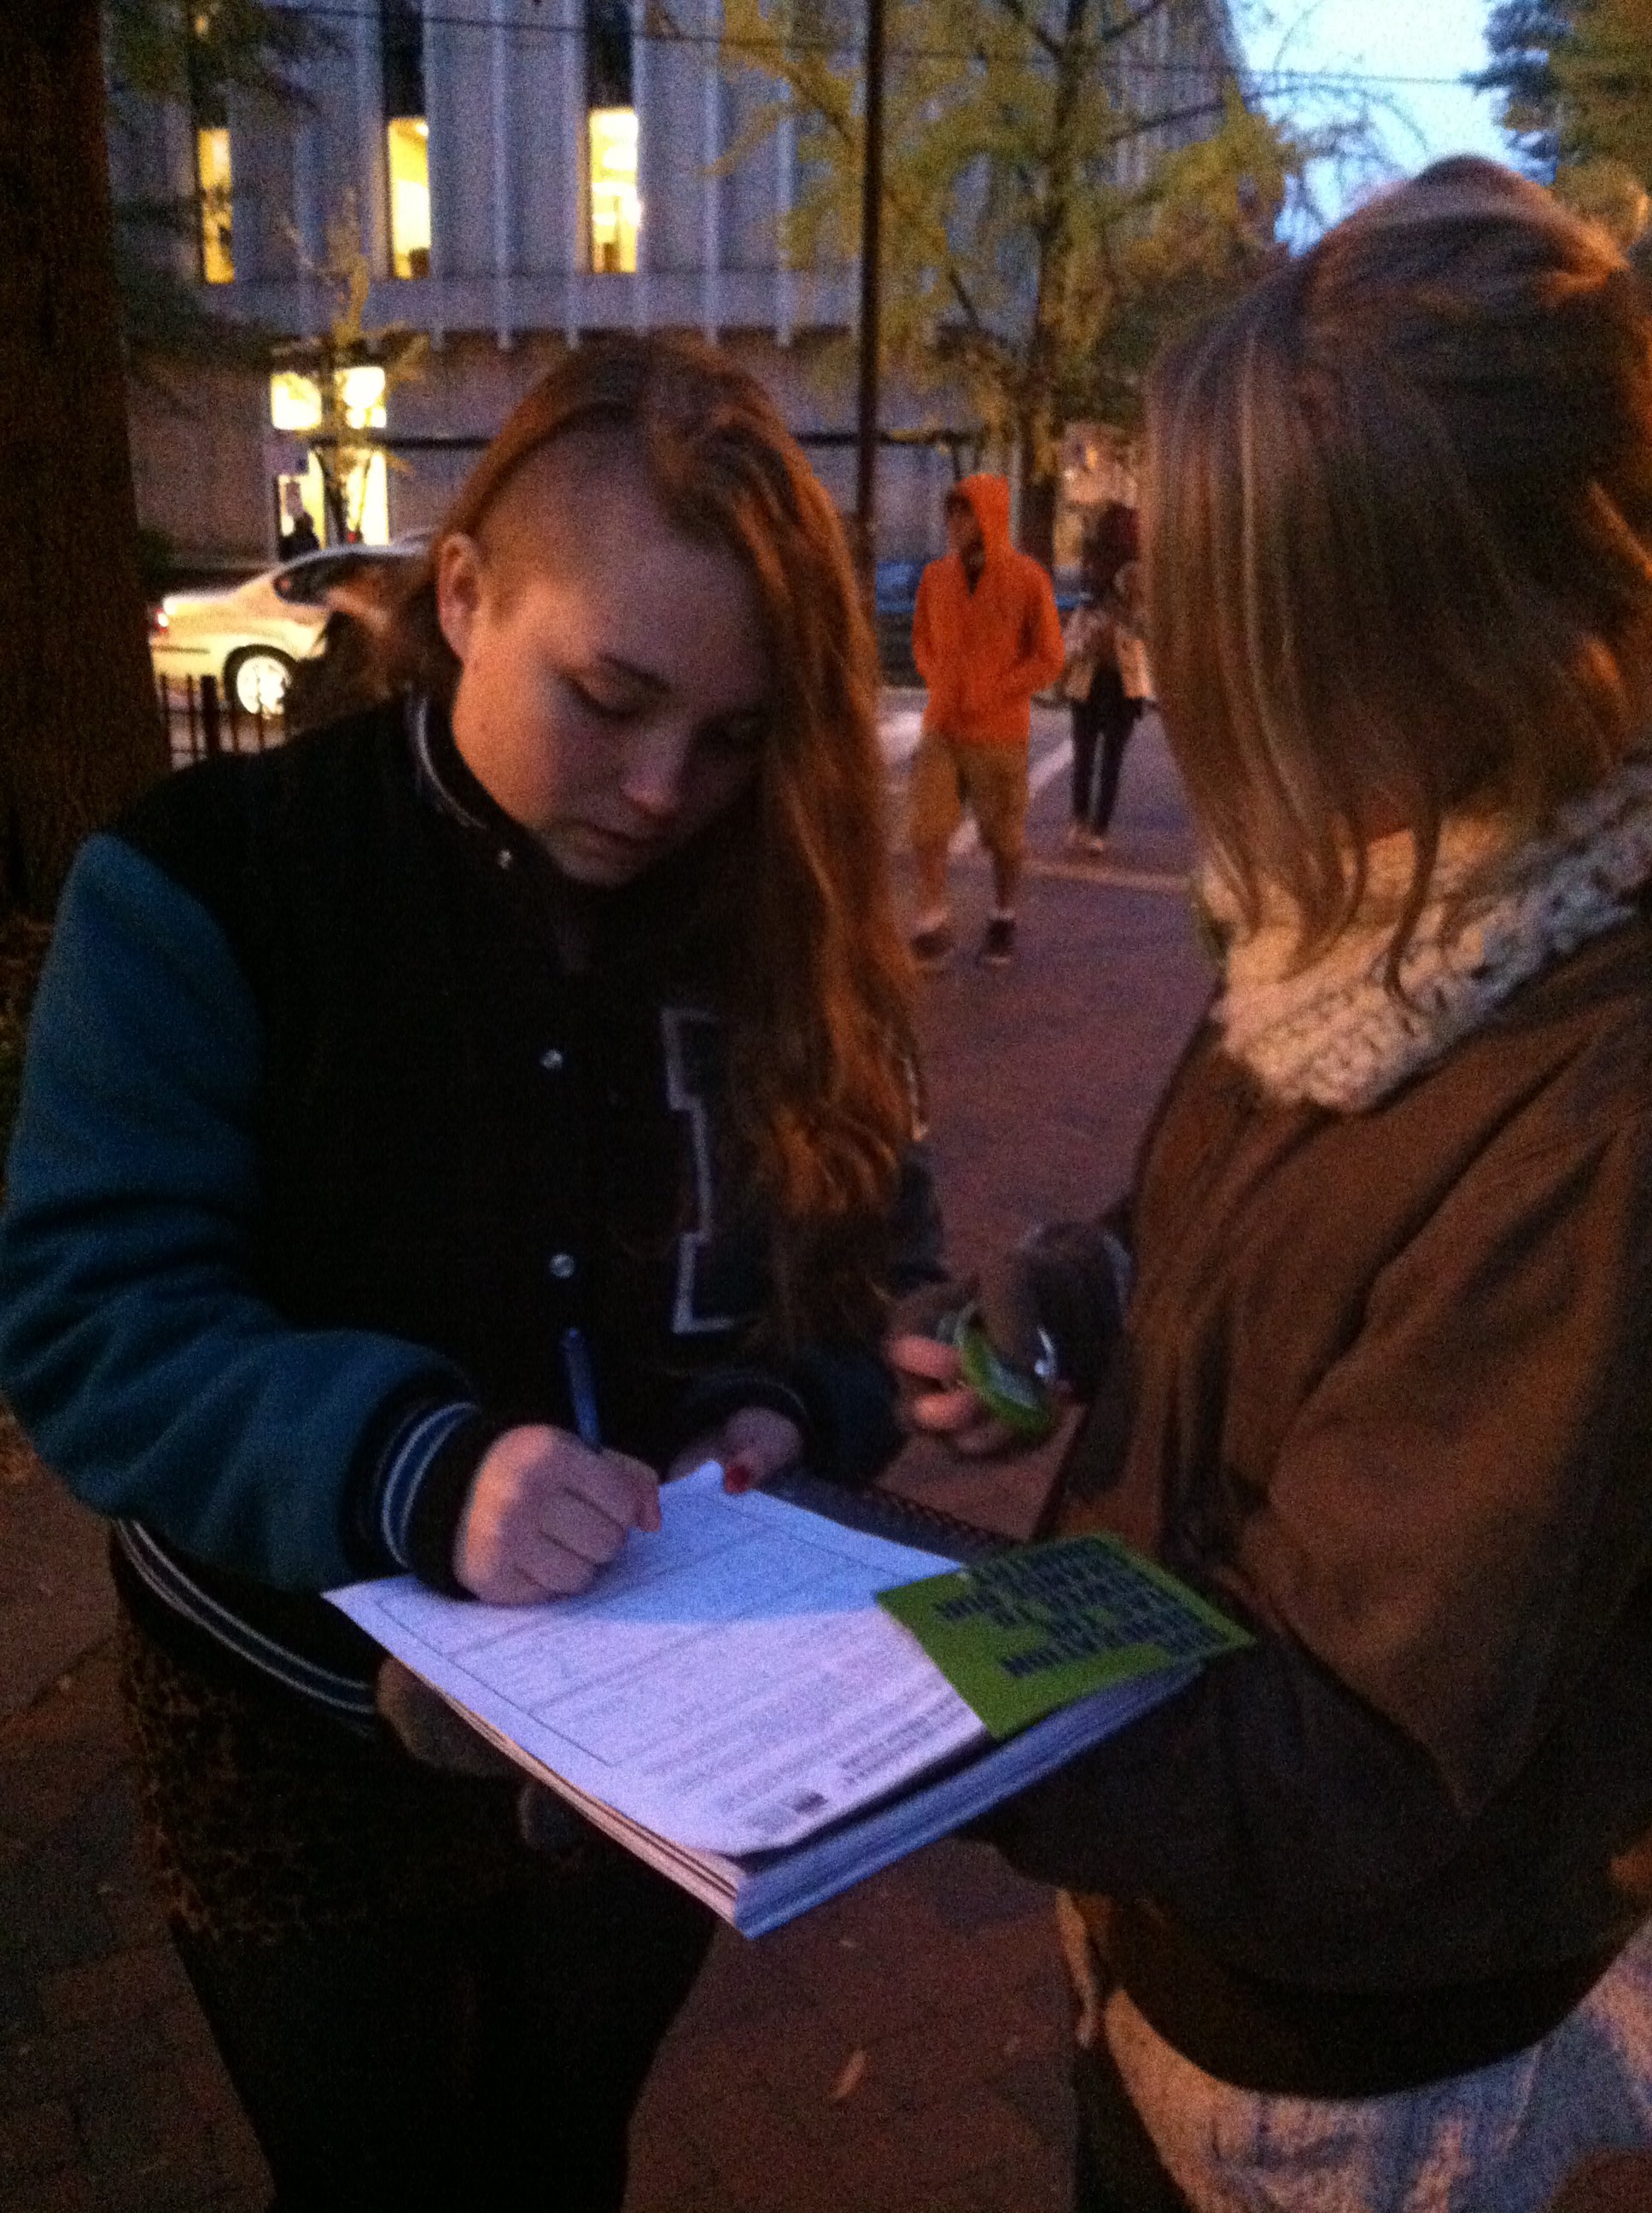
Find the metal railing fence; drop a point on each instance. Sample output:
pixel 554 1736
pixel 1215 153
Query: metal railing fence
pixel 203 721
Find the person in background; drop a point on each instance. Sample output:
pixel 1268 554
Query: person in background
pixel 986 638
pixel 299 536
pixel 1135 668
pixel 1366 1356
pixel 1104 678
pixel 563 990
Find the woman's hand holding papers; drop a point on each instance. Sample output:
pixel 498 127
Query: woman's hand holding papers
pixel 429 1728
pixel 750 1446
pixel 436 1735
pixel 545 1513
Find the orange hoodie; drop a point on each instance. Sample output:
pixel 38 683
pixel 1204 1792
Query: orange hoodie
pixel 984 653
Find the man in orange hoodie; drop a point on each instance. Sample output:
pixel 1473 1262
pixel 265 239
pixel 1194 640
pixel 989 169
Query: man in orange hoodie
pixel 985 637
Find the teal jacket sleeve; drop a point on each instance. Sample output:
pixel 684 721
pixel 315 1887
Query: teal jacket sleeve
pixel 133 1344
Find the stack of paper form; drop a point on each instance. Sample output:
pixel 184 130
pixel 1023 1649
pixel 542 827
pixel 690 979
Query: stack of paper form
pixel 729 1701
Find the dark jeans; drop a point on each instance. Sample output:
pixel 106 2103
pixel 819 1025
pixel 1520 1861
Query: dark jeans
pixel 414 2008
pixel 490 2059
pixel 1102 726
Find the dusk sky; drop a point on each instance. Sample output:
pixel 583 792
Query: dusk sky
pixel 1396 43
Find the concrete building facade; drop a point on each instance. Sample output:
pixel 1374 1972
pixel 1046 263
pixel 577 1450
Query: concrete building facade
pixel 512 175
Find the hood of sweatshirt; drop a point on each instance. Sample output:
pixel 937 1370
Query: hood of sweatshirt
pixel 990 498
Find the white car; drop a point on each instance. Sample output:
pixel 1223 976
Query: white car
pixel 251 638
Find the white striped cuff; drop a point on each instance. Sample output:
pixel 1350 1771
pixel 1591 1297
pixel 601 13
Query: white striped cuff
pixel 406 1461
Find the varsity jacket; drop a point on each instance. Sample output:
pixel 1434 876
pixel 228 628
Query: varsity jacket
pixel 1381 1385
pixel 321 1148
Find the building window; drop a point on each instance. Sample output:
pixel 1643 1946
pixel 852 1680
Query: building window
pixel 214 182
pixel 616 207
pixel 407 136
pixel 295 401
pixel 616 211
pixel 345 488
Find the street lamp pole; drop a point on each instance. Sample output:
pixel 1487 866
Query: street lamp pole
pixel 866 458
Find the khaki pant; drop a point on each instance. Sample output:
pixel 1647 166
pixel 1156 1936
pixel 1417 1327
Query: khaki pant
pixel 991 779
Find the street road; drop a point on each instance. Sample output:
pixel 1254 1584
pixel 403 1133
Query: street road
pixel 1150 832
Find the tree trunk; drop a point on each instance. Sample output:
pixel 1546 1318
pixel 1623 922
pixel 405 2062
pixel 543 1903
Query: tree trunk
pixel 332 501
pixel 80 730
pixel 1038 509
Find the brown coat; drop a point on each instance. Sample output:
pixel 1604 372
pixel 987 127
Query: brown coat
pixel 1387 1390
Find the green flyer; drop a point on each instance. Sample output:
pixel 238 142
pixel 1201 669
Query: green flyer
pixel 1027 1630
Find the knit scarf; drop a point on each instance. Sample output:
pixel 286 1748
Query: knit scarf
pixel 1334 1033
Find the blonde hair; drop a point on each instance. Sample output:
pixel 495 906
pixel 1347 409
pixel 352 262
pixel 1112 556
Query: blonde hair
pixel 796 902
pixel 1401 504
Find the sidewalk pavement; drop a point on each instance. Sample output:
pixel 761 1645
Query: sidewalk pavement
pixel 900 2048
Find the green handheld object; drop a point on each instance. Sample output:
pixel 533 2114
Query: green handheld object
pixel 1021 1402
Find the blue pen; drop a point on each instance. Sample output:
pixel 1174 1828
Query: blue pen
pixel 582 1388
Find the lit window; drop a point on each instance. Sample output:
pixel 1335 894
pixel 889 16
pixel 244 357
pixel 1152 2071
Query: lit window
pixel 295 401
pixel 213 180
pixel 616 211
pixel 409 139
pixel 362 390
pixel 367 500
pixel 362 504
pixel 611 108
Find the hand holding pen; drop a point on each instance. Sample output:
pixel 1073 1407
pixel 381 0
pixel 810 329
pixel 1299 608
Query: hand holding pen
pixel 547 1509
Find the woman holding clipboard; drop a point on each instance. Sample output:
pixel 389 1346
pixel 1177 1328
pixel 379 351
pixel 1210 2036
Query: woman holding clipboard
pixel 1367 1355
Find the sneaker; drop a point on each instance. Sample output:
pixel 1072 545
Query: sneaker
pixel 932 948
pixel 998 946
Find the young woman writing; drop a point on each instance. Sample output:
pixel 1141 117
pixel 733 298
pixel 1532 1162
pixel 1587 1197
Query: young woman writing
pixel 562 992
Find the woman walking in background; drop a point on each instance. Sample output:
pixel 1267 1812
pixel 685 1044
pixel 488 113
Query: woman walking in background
pixel 1104 681
pixel 1366 1356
